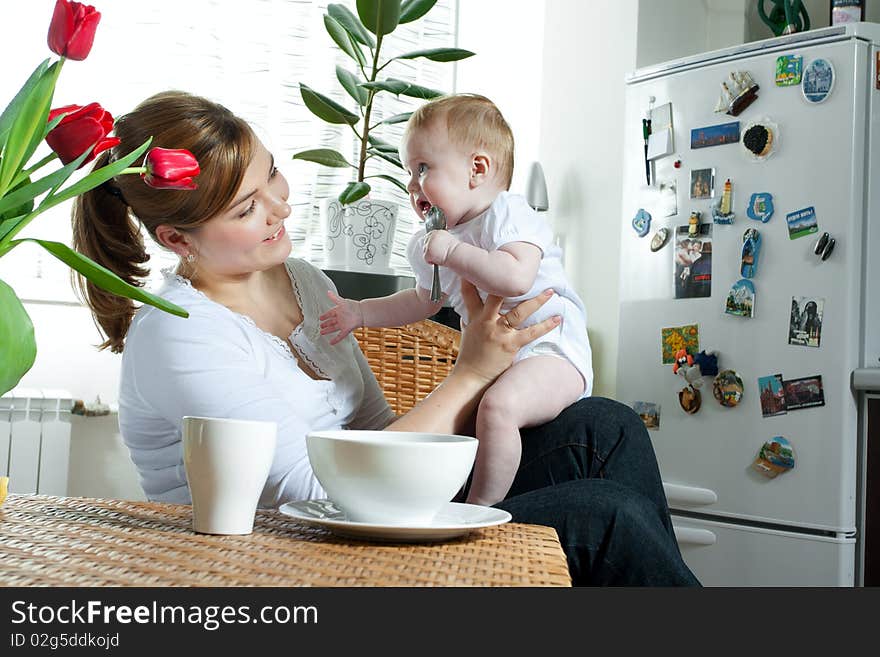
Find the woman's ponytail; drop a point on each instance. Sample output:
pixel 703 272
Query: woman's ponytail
pixel 104 231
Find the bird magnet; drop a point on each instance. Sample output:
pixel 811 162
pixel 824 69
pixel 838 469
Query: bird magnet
pixel 775 457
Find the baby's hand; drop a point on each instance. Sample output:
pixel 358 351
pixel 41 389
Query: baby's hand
pixel 341 319
pixel 438 246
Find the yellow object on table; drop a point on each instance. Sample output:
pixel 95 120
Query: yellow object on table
pixel 4 488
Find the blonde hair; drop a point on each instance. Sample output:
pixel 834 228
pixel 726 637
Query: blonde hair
pixel 471 120
pixel 107 219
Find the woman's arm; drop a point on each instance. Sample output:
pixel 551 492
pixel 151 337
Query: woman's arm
pixel 488 345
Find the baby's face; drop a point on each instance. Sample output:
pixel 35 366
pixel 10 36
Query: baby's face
pixel 439 173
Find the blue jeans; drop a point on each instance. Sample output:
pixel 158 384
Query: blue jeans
pixel 592 475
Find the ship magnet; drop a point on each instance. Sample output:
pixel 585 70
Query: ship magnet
pixel 722 211
pixel 751 249
pixel 775 457
pixel 661 237
pixel 690 399
pixel 641 223
pixel 737 93
pixel 728 388
pixel 760 207
pixel 818 80
pixel 741 299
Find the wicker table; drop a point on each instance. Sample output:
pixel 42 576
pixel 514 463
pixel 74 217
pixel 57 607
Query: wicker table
pixel 66 541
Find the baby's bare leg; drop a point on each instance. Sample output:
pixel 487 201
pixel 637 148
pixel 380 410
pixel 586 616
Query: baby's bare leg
pixel 533 391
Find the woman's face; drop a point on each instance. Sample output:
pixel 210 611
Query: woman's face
pixel 249 234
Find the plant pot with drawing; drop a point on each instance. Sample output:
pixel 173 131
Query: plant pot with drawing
pixel 359 229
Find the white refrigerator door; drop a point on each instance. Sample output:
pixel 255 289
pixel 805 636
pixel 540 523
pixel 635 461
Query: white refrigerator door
pixel 819 159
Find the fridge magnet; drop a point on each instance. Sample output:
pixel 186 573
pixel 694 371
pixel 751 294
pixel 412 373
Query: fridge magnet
pixel 702 183
pixel 641 223
pixel 677 164
pixel 660 139
pixel 760 139
pixel 694 224
pixel 649 412
pixel 685 367
pixel 818 80
pixel 788 70
pixel 668 198
pixel 675 338
pixel 804 393
pixel 805 324
pixel 801 222
pixel 661 237
pixel 708 362
pixel 690 400
pixel 750 251
pixel 775 457
pixel 741 299
pixel 693 262
pixel 727 388
pixel 737 93
pixel 722 211
pixel 772 395
pixel 715 135
pixel 824 246
pixel 760 207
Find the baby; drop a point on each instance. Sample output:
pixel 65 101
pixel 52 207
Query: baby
pixel 458 152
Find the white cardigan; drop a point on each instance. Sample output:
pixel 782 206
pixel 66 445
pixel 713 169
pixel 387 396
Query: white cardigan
pixel 218 363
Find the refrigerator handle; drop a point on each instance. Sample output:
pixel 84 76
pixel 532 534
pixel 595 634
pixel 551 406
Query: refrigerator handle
pixel 676 493
pixel 693 536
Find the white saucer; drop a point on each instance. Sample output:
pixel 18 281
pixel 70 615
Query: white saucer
pixel 453 520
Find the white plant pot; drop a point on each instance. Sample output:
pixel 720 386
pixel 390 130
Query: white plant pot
pixel 360 235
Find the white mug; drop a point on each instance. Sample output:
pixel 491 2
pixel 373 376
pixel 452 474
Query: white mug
pixel 227 462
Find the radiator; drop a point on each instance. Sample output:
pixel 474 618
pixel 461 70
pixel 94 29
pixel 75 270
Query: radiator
pixel 35 440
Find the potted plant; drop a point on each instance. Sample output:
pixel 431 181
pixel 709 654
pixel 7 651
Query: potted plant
pixel 359 231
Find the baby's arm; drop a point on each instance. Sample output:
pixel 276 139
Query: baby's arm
pixel 404 307
pixel 509 271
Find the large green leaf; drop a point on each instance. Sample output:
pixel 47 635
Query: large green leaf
pixel 26 130
pixel 351 24
pixel 29 192
pixel 412 10
pixel 326 156
pixel 388 157
pixel 350 83
pixel 379 16
pixel 397 118
pixel 382 145
pixel 18 349
pixel 325 108
pixel 21 209
pixel 403 88
pixel 103 277
pixel 6 226
pixel 354 191
pixel 392 180
pixel 438 54
pixel 14 108
pixel 342 39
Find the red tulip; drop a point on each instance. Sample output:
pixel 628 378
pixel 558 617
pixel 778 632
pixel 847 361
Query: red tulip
pixel 82 127
pixel 170 168
pixel 72 30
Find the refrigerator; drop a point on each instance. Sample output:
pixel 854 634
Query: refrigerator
pixel 762 463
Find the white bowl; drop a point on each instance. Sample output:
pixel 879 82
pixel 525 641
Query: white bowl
pixel 390 477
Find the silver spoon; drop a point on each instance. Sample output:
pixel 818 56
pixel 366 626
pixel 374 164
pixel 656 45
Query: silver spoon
pixel 435 220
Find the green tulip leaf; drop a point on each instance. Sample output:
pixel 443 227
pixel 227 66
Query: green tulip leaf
pixel 18 349
pixel 379 16
pixel 103 277
pixel 392 180
pixel 381 145
pixel 326 109
pixel 6 226
pixel 14 108
pixel 342 39
pixel 388 157
pixel 350 82
pixel 354 191
pixel 326 156
pixel 29 192
pixel 412 10
pixel 438 54
pixel 398 118
pixel 21 210
pixel 351 24
pixel 402 88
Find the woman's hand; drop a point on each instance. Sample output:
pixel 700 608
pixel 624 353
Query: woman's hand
pixel 490 340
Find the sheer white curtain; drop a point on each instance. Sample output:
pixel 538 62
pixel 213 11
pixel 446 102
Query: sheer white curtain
pixel 249 55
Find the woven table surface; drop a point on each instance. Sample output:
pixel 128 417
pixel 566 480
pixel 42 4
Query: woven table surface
pixel 69 541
